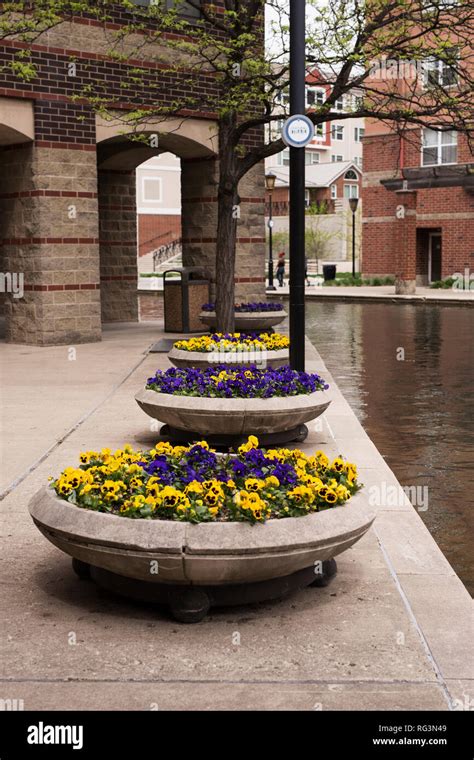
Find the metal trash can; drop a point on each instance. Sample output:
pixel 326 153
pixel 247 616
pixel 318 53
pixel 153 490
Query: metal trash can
pixel 329 271
pixel 183 299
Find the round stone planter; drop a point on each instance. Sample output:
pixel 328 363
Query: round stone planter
pixel 233 416
pixel 190 566
pixel 204 359
pixel 248 321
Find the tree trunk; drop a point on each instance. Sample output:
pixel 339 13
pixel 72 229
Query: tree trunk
pixel 227 214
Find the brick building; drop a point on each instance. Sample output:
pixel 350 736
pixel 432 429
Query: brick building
pixel 68 218
pixel 327 186
pixel 418 205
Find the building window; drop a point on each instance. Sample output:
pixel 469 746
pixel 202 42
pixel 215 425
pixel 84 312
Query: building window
pixel 151 187
pixel 311 157
pixel 358 161
pixel 337 132
pixel 351 191
pixel 283 98
pixel 283 158
pixel 439 147
pixel 333 192
pixel 441 73
pixel 182 7
pixel 358 133
pixel 350 175
pixel 314 97
pixel 339 104
pixel 337 158
pixel 319 130
pixel 306 198
pixel 274 129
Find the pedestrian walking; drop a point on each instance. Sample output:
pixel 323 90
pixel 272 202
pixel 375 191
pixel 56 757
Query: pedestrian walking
pixel 280 270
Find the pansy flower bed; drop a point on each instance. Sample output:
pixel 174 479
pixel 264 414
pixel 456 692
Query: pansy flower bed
pixel 194 484
pixel 235 342
pixel 248 307
pixel 221 382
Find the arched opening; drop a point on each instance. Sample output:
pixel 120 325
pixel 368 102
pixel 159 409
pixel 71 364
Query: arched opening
pixel 159 227
pixel 160 217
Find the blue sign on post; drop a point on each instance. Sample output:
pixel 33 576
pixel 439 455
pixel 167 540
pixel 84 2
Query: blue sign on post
pixel 297 131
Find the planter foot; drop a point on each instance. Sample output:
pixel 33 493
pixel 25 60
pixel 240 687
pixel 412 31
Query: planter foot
pixel 82 569
pixel 297 434
pixel 190 606
pixel 302 434
pixel 328 571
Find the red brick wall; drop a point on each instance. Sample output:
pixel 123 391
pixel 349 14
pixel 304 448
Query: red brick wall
pixel 155 230
pixel 448 209
pixel 150 305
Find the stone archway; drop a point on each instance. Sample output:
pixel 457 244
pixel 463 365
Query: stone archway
pixel 118 156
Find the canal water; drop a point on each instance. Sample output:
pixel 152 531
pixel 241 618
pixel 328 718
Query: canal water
pixel 408 373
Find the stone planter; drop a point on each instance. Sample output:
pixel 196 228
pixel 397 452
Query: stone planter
pixel 168 556
pixel 233 416
pixel 248 321
pixel 203 359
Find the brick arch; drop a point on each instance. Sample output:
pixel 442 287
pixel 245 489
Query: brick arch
pixel 187 138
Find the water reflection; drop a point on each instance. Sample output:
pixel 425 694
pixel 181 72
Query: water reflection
pixel 408 373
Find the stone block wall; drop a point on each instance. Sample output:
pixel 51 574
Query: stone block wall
pixel 199 182
pixel 49 231
pixel 118 246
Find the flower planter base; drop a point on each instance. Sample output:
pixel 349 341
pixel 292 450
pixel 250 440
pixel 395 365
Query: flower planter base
pixel 190 604
pixel 201 417
pixel 296 434
pixel 247 321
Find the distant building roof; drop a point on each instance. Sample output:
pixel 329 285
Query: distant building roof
pixel 316 175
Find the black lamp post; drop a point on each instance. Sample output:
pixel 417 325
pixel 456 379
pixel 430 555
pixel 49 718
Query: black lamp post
pixel 297 187
pixel 353 203
pixel 270 186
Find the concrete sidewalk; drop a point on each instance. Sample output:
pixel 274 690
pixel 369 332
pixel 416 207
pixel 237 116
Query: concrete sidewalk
pixel 392 631
pixel 380 293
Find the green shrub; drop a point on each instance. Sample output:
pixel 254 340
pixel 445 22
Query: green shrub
pixel 443 284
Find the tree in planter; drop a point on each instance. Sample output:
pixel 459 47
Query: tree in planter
pixel 223 43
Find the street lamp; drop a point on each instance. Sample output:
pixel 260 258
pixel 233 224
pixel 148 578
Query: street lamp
pixel 297 187
pixel 270 186
pixel 353 203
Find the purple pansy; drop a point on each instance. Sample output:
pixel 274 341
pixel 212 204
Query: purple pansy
pixel 248 307
pixel 245 382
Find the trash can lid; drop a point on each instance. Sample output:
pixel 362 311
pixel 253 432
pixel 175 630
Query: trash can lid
pixel 186 272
